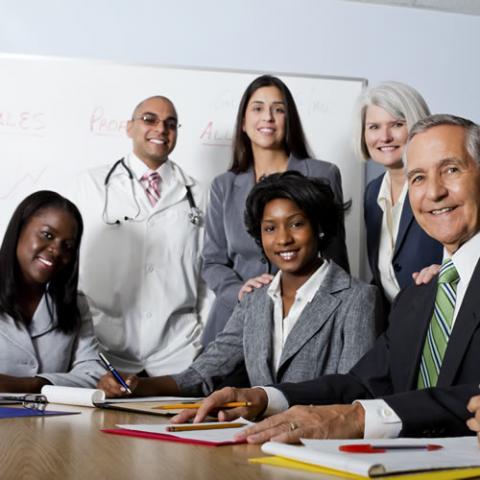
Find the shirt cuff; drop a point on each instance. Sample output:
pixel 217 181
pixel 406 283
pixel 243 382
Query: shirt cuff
pixel 277 402
pixel 381 421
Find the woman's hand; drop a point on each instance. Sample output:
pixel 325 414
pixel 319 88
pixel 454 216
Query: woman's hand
pixel 426 274
pixel 256 397
pixel 255 282
pixel 113 389
pixel 474 422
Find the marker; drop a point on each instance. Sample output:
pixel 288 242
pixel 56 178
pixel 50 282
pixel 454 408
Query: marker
pixel 178 406
pixel 208 426
pixel 114 372
pixel 369 448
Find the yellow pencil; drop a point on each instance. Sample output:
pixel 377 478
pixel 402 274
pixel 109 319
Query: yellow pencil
pixel 210 426
pixel 179 406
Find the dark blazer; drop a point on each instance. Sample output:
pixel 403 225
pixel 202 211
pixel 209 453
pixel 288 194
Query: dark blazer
pixel 414 249
pixel 390 369
pixel 333 331
pixel 230 255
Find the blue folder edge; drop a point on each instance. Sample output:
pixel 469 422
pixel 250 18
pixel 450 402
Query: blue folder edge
pixel 7 412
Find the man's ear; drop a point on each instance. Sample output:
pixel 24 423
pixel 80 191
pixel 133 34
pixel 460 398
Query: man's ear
pixel 129 128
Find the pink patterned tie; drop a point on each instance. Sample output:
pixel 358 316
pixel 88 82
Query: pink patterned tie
pixel 150 182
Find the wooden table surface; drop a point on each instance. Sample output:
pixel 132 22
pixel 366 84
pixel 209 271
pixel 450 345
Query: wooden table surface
pixel 73 447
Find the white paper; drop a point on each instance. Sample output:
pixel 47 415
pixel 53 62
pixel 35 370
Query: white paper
pixel 216 436
pixel 84 397
pixel 458 452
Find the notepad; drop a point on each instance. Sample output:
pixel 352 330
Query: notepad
pixel 90 397
pixel 198 437
pixel 462 452
pixel 9 412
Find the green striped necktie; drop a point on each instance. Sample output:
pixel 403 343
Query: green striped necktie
pixel 440 325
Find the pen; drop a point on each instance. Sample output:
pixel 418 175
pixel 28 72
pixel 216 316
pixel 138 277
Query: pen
pixel 209 426
pixel 369 448
pixel 114 372
pixel 178 406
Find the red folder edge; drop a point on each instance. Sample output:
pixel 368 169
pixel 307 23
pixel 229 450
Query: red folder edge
pixel 162 436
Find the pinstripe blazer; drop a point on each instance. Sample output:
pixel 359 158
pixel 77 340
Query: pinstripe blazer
pixel 230 255
pixel 334 330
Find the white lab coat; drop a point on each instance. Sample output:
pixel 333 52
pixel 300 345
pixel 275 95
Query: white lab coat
pixel 142 277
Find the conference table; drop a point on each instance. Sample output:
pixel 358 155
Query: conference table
pixel 74 447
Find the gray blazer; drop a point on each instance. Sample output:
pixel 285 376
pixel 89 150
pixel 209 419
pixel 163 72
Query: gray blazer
pixel 230 255
pixel 40 349
pixel 334 330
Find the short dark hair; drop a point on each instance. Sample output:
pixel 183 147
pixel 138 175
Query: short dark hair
pixel 312 195
pixel 294 142
pixel 63 288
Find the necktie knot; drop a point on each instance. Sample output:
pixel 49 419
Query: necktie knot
pixel 151 181
pixel 448 272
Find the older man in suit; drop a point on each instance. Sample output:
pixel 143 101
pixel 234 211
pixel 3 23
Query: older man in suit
pixel 418 377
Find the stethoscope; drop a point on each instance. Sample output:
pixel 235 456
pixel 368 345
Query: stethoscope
pixel 195 215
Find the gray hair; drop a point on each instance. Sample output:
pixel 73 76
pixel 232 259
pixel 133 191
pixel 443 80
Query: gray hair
pixel 398 99
pixel 472 132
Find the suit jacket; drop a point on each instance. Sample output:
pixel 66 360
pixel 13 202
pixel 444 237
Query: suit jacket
pixel 390 369
pixel 40 349
pixel 331 334
pixel 414 249
pixel 230 255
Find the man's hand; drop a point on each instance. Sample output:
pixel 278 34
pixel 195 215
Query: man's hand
pixel 113 389
pixel 213 404
pixel 329 421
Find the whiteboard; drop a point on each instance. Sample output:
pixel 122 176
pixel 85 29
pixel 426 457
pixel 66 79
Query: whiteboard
pixel 61 116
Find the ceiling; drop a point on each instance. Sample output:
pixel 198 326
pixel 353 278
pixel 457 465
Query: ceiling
pixel 467 7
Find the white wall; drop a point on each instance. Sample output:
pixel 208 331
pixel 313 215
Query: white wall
pixel 435 52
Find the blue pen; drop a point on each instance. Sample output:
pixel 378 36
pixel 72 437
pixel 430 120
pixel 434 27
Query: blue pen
pixel 115 374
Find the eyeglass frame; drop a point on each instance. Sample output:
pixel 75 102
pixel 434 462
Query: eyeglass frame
pixel 32 401
pixel 170 123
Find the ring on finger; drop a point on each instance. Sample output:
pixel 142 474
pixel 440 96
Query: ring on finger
pixel 292 426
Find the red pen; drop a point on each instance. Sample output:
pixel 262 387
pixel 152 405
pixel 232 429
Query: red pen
pixel 369 448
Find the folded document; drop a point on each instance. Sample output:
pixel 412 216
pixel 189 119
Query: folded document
pixel 459 452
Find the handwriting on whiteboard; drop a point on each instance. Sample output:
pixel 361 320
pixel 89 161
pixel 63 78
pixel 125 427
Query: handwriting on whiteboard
pixel 25 122
pixel 103 124
pixel 213 136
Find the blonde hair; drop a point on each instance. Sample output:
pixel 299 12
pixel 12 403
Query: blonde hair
pixel 398 99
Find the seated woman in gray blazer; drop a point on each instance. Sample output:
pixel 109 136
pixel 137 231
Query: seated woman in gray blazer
pixel 268 138
pixel 46 333
pixel 313 318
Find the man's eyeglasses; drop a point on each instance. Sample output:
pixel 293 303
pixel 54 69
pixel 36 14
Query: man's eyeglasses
pixel 31 401
pixel 152 120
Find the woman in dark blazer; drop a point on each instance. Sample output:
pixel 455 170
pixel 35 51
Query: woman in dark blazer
pixel 268 138
pixel 397 246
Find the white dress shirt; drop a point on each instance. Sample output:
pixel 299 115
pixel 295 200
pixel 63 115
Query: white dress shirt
pixel 388 234
pixel 282 326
